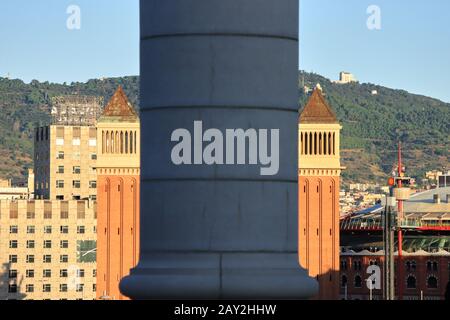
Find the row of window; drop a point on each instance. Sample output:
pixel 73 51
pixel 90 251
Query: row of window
pixel 47 273
pixel 318 143
pixel 119 142
pixel 411 282
pixel 410 265
pixel 76 184
pixel 47 258
pixel 31 244
pixel 47 288
pixel 61 155
pixel 14 213
pixel 43 133
pixel 49 229
pixel 76 142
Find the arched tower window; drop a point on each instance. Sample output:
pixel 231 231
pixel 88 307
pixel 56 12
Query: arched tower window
pixel 320 143
pixel 131 143
pixel 121 142
pixel 325 143
pixel 112 142
pixel 329 143
pixel 306 143
pixel 103 141
pixel 334 143
pixel 126 141
pixel 117 142
pixel 315 143
pixel 301 143
pixel 311 143
pixel 107 142
pixel 135 143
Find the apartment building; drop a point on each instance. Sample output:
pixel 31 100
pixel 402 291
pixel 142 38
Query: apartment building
pixel 48 250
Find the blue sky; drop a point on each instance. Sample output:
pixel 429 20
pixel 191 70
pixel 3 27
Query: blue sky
pixel 411 51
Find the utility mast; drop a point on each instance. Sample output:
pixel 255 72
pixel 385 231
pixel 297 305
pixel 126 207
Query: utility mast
pixel 400 191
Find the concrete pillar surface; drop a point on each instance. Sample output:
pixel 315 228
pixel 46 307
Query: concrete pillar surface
pixel 218 231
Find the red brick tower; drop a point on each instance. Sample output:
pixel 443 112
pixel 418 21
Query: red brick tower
pixel 319 172
pixel 118 170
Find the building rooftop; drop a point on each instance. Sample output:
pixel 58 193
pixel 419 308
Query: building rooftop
pixel 317 110
pixel 119 109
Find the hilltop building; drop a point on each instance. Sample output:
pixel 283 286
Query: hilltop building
pixel 118 169
pixel 346 77
pixel 319 187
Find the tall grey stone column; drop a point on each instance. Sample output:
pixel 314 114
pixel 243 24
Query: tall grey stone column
pixel 218 231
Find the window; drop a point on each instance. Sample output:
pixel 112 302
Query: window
pixel 60 170
pixel 432 282
pixel 60 155
pixel 30 215
pixel 358 282
pixel 30 244
pixel 93 197
pixel 59 197
pixel 12 288
pixel 64 229
pixel 48 229
pixel 76 184
pixel 29 288
pixel 435 266
pixel 63 287
pixel 31 229
pixel 12 258
pixel 411 266
pixel 93 184
pixel 411 282
pixel 80 273
pixel 80 287
pixel 76 142
pixel 93 156
pixel 81 229
pixel 30 273
pixel 64 258
pixel 92 142
pixel 47 258
pixel 13 274
pixel 13 244
pixel 47 244
pixel 94 273
pixel 13 229
pixel 30 258
pixel 59 184
pixel 47 273
pixel 76 170
pixel 63 273
pixel 344 281
pixel 59 141
pixel 46 288
pixel 64 244
pixel 94 287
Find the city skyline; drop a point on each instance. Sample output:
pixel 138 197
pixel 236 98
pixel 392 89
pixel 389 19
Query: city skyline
pixel 333 39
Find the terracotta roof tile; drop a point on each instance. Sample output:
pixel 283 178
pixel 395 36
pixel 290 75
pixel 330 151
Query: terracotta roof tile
pixel 317 110
pixel 119 107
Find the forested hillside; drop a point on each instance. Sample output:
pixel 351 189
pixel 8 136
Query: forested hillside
pixel 372 123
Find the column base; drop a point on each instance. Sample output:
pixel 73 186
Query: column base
pixel 220 275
